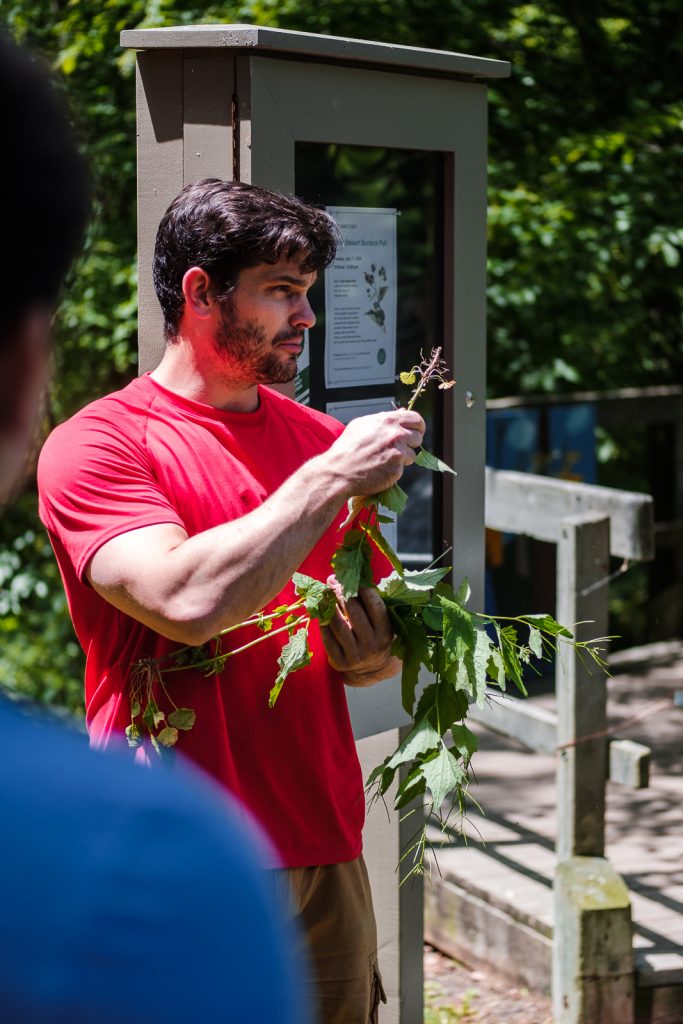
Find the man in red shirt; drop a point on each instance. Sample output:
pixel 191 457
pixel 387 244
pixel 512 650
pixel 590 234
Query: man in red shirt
pixel 184 503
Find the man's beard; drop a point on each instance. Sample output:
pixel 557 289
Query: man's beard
pixel 250 356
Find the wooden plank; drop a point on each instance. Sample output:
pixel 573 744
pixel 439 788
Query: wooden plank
pixel 629 763
pixel 259 39
pixel 535 505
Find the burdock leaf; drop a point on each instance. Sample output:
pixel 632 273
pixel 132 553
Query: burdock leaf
pixel 429 461
pixel 394 498
pixel 496 668
pixel 295 654
pixel 168 737
pixel 442 774
pixel 182 718
pixel 412 786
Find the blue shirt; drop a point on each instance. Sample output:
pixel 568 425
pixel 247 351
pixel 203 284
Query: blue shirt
pixel 128 894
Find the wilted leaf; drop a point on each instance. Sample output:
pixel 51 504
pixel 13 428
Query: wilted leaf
pixel 133 735
pixel 168 737
pixel 182 718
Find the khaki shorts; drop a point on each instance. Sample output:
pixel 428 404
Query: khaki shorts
pixel 333 904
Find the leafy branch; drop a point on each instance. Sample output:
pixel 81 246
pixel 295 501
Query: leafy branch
pixel 464 652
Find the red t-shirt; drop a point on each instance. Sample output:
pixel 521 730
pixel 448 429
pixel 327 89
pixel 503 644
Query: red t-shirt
pixel 145 456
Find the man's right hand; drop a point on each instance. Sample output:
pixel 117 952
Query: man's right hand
pixel 373 451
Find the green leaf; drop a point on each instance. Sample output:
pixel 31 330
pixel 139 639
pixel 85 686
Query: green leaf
pixel 413 586
pixel 429 461
pixel 182 718
pixel 458 630
pixel 442 705
pixel 407 377
pixel 320 601
pixel 382 544
pixel 547 624
pixel 464 592
pixel 152 716
pixel 411 787
pixel 416 652
pixel 496 668
pixel 351 563
pixel 134 708
pixel 422 739
pixel 168 737
pixel 442 775
pixel 394 498
pixel 464 740
pixel 507 639
pixel 295 654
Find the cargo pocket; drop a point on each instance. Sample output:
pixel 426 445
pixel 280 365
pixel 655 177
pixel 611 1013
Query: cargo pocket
pixel 377 993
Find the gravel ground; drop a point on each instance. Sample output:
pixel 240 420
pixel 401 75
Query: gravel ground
pixel 455 994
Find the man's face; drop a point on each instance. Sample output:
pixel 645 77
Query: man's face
pixel 260 334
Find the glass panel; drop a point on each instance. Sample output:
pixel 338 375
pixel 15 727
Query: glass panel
pixel 410 181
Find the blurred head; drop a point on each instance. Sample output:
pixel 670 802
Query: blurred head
pixel 44 182
pixel 225 227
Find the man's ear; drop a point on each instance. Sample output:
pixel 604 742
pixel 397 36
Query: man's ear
pixel 197 291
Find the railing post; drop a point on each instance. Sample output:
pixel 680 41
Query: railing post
pixel 593 977
pixel 582 565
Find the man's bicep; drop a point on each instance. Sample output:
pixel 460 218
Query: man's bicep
pixel 129 570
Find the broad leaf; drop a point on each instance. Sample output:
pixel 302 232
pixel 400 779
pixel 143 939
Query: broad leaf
pixel 411 586
pixel 458 630
pixel 429 461
pixel 394 498
pixel 464 740
pixel 416 652
pixel 351 563
pixel 319 599
pixel 412 786
pixel 420 740
pixel 295 654
pixel 442 775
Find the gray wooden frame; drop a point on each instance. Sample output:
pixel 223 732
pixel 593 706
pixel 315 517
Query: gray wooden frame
pixel 232 101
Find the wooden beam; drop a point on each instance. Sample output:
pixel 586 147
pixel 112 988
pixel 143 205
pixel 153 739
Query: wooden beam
pixel 533 505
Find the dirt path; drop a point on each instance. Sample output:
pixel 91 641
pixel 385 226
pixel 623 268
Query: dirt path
pixel 454 994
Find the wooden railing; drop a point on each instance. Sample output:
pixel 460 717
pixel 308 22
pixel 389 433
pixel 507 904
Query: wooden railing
pixel 592 954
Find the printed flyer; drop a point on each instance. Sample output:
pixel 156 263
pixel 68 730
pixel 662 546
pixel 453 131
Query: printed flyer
pixel 360 300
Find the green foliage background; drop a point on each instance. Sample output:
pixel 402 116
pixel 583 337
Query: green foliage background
pixel 586 217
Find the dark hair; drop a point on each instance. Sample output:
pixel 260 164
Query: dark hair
pixel 44 184
pixel 225 227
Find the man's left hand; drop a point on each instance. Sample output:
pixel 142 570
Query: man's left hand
pixel 358 639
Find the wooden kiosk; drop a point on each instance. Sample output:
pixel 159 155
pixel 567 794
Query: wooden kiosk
pixel 353 124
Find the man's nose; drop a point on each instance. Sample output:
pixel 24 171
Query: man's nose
pixel 303 315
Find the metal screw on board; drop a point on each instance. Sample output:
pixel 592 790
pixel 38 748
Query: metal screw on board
pixel 470 398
